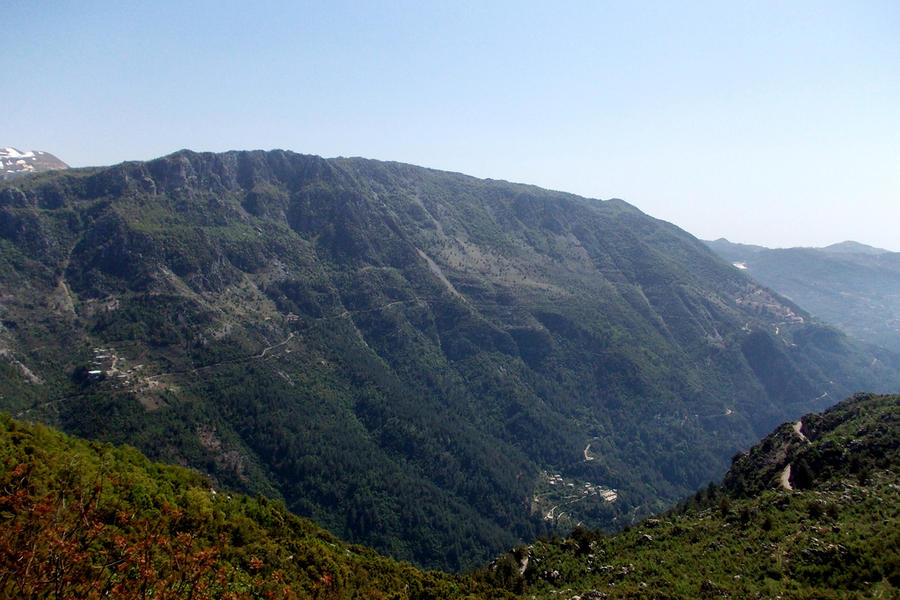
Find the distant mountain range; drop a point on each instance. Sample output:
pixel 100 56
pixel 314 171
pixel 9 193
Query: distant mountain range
pixel 15 162
pixel 851 285
pixel 434 365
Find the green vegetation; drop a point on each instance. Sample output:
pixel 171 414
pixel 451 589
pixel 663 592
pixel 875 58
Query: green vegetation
pixel 399 354
pixel 852 286
pixel 837 537
pixel 86 520
pixel 90 520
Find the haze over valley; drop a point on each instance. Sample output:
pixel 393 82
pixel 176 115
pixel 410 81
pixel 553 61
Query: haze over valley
pixel 411 301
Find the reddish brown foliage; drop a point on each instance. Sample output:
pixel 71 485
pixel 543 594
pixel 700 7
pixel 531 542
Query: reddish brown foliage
pixel 63 543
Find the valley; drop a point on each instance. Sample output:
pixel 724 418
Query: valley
pixel 850 285
pixel 405 356
pixel 829 532
pixel 84 519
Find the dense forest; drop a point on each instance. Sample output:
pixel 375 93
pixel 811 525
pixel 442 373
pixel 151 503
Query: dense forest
pixel 436 366
pixel 812 511
pixel 81 519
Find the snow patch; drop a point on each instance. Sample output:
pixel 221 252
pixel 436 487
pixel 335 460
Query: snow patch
pixel 11 152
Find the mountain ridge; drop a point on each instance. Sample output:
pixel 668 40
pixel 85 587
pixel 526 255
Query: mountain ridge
pixel 826 530
pixel 851 285
pixel 14 163
pixel 409 357
pixel 852 247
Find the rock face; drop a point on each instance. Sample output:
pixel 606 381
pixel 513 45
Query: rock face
pixel 400 353
pixel 14 162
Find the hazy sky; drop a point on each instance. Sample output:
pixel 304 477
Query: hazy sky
pixel 775 123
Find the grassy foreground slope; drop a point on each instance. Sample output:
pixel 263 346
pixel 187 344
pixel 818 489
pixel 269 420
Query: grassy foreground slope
pixel 82 519
pixel 835 534
pixel 813 511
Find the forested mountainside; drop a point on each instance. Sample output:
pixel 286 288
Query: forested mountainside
pixel 850 285
pixel 434 365
pixel 86 520
pixel 812 511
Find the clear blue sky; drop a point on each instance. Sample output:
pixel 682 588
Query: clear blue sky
pixel 775 123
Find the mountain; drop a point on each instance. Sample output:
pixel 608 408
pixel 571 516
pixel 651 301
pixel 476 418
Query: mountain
pixel 431 364
pixel 812 511
pixel 14 162
pixel 85 520
pixel 851 285
pixel 851 247
pixel 734 252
